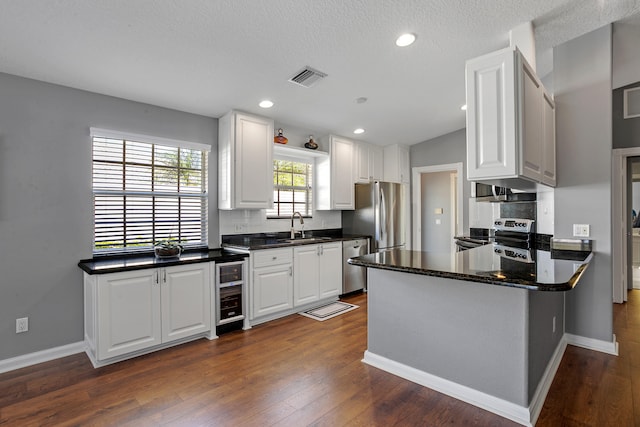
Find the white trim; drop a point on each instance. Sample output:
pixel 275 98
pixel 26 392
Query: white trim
pixel 25 360
pixel 416 200
pixel 619 213
pixel 116 134
pixel 504 408
pixel 593 344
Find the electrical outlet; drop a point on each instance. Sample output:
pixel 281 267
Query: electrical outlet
pixel 581 230
pixel 22 325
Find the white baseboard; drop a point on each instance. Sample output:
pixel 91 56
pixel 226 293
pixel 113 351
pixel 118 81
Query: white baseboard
pixel 593 344
pixel 25 360
pixel 506 409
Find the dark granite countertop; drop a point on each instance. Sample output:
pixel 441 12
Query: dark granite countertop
pixel 551 271
pixel 115 264
pixel 256 241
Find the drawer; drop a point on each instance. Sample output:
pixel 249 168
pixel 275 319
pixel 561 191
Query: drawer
pixel 272 257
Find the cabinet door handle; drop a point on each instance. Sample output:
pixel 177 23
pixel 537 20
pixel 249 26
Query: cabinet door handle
pixel 274 258
pixel 290 271
pixel 157 277
pixel 164 276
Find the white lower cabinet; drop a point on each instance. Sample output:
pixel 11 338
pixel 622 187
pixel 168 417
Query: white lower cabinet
pixel 317 272
pixel 306 278
pixel 272 282
pixel 330 270
pixel 131 311
pixel 286 280
pixel 186 301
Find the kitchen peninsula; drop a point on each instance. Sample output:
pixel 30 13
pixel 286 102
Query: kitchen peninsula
pixel 476 325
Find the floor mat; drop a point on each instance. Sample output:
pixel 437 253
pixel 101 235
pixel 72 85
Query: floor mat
pixel 328 311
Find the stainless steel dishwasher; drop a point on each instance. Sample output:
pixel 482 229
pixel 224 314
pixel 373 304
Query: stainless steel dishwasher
pixel 353 278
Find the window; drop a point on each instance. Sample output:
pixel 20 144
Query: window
pixel 292 189
pixel 147 189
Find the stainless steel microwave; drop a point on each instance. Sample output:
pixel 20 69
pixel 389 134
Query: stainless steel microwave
pixel 493 193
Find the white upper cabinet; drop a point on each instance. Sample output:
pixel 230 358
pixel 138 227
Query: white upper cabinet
pixel 334 183
pixel 245 161
pixel 549 145
pixel 396 164
pixel 369 163
pixel 510 122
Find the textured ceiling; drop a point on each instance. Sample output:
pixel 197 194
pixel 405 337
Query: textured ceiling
pixel 209 56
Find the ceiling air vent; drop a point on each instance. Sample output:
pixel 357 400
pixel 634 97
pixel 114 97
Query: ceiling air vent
pixel 307 77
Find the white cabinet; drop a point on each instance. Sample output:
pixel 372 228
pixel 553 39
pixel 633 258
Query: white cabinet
pixel 306 276
pixel 335 176
pixel 317 272
pixel 549 144
pixel 186 301
pixel 369 163
pixel 272 281
pixel 396 164
pixel 245 161
pixel 510 122
pixel 330 269
pixel 128 312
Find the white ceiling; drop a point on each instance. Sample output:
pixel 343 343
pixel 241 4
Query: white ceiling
pixel 209 56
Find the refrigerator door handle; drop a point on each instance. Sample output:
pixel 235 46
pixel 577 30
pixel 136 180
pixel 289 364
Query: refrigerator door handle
pixel 383 216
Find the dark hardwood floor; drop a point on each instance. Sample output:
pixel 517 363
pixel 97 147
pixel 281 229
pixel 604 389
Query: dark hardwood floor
pixel 297 372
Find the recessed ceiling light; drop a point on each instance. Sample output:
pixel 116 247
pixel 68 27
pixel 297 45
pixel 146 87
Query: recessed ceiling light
pixel 405 39
pixel 464 107
pixel 358 131
pixel 266 104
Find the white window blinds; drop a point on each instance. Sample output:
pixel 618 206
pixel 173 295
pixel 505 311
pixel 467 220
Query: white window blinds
pixel 144 191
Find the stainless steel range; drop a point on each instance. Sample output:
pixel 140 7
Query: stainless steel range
pixel 514 238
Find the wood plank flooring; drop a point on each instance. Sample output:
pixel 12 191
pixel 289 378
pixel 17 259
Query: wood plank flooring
pixel 296 371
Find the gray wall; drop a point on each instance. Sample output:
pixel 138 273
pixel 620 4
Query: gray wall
pixel 449 148
pixel 453 329
pixel 46 223
pixel 543 340
pixel 582 80
pixel 436 193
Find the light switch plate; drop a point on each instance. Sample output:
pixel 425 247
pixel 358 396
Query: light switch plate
pixel 581 230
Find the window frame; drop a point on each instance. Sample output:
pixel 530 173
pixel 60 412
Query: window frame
pixel 129 246
pixel 309 188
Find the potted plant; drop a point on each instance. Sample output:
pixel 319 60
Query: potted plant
pixel 167 248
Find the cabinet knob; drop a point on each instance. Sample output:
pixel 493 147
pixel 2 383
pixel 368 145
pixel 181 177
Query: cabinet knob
pixel 274 258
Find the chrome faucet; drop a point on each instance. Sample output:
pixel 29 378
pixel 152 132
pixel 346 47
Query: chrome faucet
pixel 293 230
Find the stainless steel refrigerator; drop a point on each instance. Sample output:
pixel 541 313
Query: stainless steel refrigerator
pixel 379 214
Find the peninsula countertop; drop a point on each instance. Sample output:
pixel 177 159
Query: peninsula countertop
pixel 549 271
